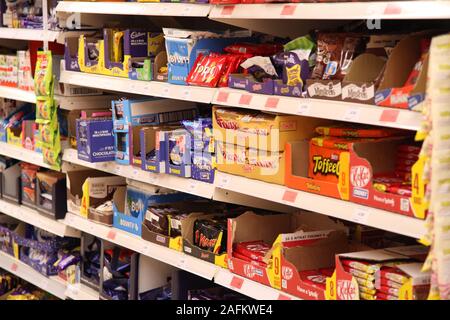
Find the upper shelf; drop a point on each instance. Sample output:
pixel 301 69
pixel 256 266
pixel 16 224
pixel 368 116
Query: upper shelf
pixel 136 8
pixel 22 154
pixel 336 10
pixel 28 34
pixel 17 94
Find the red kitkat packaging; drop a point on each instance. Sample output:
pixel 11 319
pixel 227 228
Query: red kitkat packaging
pixel 303 247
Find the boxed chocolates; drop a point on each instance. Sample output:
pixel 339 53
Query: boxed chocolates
pixel 291 252
pixel 74 115
pixel 95 140
pixel 178 152
pixel 153 149
pixel 28 183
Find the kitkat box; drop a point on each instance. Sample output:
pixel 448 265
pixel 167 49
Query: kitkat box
pixel 300 244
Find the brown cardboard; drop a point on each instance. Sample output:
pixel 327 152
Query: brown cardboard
pixel 75 180
pixel 160 61
pixel 359 85
pixel 136 159
pixel 107 219
pixel 324 89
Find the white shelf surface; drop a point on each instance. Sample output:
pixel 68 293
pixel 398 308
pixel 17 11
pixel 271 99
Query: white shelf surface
pixel 249 287
pixel 17 94
pixel 149 88
pixel 33 217
pixel 319 108
pixel 81 292
pixel 136 8
pixel 22 154
pixel 135 243
pixel 336 11
pixel 341 209
pixel 199 188
pixel 20 269
pixel 28 34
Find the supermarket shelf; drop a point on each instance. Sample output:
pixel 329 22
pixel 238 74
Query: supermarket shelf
pixel 127 240
pixel 191 186
pixel 20 269
pixel 341 209
pixel 149 88
pixel 33 217
pixel 336 11
pixel 135 8
pixel 318 108
pixel 85 102
pixel 17 94
pixel 249 287
pixel 81 292
pixel 28 34
pixel 22 154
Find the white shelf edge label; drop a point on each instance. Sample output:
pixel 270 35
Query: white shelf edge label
pixel 352 114
pixel 361 215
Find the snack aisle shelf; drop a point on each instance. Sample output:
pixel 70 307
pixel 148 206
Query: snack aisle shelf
pixel 81 292
pixel 28 34
pixel 319 108
pixel 17 94
pixel 33 217
pixel 341 209
pixel 20 269
pixel 127 240
pixel 22 154
pixel 249 287
pixel 136 8
pixel 149 88
pixel 199 188
pixel 335 11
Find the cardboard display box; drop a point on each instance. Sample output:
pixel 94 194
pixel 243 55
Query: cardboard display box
pixel 154 139
pixel 90 250
pixel 343 285
pixel 95 140
pixel 86 43
pixel 72 117
pixel 300 242
pixel 357 167
pixel 11 184
pixel 51 194
pixel 96 191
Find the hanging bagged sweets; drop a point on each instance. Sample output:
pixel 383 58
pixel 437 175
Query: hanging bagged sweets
pixel 43 77
pixel 45 110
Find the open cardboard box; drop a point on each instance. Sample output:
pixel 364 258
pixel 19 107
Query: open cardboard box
pixel 71 54
pixel 343 285
pixel 187 232
pixel 172 242
pixel 11 189
pixel 74 186
pixel 300 241
pixel 357 167
pixel 153 138
pixel 51 184
pixel 14 136
pixel 391 91
pixel 96 191
pixel 84 62
pixel 324 89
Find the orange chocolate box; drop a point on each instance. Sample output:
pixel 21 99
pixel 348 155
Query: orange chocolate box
pixel 295 238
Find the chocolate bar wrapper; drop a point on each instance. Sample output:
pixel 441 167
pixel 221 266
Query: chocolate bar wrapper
pixel 314 278
pixel 245 258
pixel 209 235
pixel 361 266
pixel 175 224
pixel 389 291
pixel 360 274
pixel 364 282
pixel 387 283
pixel 392 274
pixel 366 290
pixel 255 250
pixel 383 296
pixel 366 296
pixel 156 219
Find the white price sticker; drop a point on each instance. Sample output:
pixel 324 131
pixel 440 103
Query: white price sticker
pixel 164 10
pixel 165 92
pixel 152 178
pixel 224 181
pixel 43 283
pixel 132 87
pixel 361 215
pixel 182 262
pixel 145 249
pixel 192 186
pixel 303 109
pixel 186 10
pixel 186 93
pixel 135 173
pixel 118 169
pixel 352 114
pixel 73 289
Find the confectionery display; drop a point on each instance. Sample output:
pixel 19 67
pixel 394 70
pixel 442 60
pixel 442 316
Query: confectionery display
pixel 227 150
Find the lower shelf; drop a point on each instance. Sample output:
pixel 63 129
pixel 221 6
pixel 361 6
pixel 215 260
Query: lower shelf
pixel 50 284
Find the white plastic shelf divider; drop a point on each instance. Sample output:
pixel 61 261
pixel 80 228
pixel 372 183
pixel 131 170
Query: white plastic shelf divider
pixel 249 287
pixel 341 209
pixel 17 94
pixel 127 240
pixel 28 34
pixel 191 186
pixel 148 88
pixel 335 11
pixel 20 269
pixel 22 154
pixel 33 217
pixel 81 292
pixel 319 108
pixel 136 8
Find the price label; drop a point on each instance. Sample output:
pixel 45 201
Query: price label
pixel 73 289
pixel 181 263
pixel 153 179
pixel 111 234
pixel 389 115
pixel 392 9
pixel 227 10
pixel 187 10
pixel 361 215
pixel 303 109
pixel 236 282
pixel 283 297
pixel 135 172
pixel 224 181
pixel 186 94
pixel 272 103
pixel 192 187
pixel 164 10
pixel 43 283
pixel 222 96
pixel 289 196
pixel 118 169
pixel 352 114
pixel 165 91
pixel 288 10
pixel 132 87
pixel 245 99
pixel 14 267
